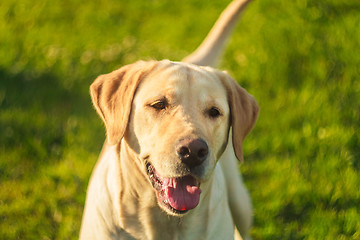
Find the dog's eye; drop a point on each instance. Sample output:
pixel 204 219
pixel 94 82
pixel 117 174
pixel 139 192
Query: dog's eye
pixel 214 112
pixel 160 104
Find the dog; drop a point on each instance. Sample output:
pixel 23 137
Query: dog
pixel 168 168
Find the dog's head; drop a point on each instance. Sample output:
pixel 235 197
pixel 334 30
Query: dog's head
pixel 176 117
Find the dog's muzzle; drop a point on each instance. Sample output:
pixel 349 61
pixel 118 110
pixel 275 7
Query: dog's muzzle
pixel 177 195
pixel 192 152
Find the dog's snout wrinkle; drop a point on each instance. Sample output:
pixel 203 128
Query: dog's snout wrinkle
pixel 192 152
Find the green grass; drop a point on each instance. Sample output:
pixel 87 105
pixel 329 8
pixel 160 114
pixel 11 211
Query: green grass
pixel 300 59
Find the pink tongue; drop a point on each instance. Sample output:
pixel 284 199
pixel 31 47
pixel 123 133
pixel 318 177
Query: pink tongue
pixel 181 193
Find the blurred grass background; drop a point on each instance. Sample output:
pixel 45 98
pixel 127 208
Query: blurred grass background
pixel 299 58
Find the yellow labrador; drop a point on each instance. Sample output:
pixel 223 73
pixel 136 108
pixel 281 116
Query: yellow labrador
pixel 168 168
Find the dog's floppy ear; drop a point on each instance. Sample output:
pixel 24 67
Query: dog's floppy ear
pixel 244 112
pixel 112 96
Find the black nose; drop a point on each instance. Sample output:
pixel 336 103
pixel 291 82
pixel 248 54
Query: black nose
pixel 192 152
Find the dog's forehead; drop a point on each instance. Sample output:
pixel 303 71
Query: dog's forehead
pixel 179 79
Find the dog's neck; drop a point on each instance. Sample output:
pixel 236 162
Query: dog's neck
pixel 135 195
pixel 130 160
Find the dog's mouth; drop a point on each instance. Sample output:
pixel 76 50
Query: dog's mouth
pixel 177 195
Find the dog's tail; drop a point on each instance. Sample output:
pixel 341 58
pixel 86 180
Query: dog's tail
pixel 209 51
